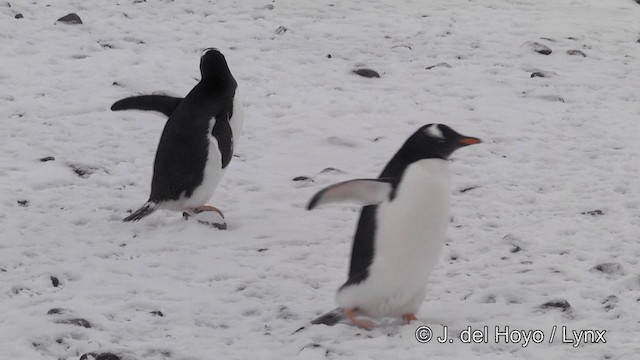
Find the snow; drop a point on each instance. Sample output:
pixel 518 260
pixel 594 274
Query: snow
pixel 526 230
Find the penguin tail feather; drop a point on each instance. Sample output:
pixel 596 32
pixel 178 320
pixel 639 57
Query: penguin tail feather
pixel 145 210
pixel 331 318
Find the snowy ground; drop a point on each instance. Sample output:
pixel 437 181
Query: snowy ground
pixel 551 209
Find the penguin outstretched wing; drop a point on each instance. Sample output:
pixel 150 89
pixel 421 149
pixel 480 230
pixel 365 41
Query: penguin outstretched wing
pixel 161 103
pixel 361 192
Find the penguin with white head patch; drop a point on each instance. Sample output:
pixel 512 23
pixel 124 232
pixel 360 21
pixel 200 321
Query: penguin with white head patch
pixel 197 142
pixel 401 231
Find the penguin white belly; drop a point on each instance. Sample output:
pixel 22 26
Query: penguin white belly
pixel 213 173
pixel 410 234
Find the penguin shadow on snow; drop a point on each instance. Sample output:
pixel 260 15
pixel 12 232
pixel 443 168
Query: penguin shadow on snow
pixel 197 142
pixel 401 231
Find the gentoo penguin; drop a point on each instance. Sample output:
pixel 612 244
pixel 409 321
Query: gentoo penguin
pixel 401 231
pixel 197 142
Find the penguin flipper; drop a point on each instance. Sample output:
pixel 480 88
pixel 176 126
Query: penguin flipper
pixel 145 210
pixel 161 103
pixel 362 192
pixel 331 318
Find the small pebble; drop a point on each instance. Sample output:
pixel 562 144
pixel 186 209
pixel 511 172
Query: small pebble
pixel 56 311
pixel 442 64
pixel 561 304
pixel 101 356
pixel 23 203
pixel 47 158
pixel 593 213
pixel 72 19
pixel 302 178
pixel 19 16
pixel 55 281
pixel 281 30
pixel 77 322
pixel 611 268
pixel 368 73
pixel 576 52
pixel 537 47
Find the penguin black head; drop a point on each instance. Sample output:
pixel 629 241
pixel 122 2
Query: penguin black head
pixel 436 141
pixel 213 65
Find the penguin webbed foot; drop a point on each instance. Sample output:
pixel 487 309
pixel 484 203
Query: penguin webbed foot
pixel 409 317
pixel 207 218
pixel 363 324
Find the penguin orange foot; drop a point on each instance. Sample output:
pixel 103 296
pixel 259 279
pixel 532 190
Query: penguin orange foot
pixel 409 317
pixel 364 324
pixel 204 208
pixel 207 215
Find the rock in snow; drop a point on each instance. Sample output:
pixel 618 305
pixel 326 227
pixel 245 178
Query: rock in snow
pixel 72 19
pixel 537 47
pixel 368 73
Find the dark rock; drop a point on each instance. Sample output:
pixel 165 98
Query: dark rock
pixel 157 313
pixel 23 203
pixel 442 64
pixel 262 249
pixel 328 56
pixel 537 74
pixel 561 304
pixel 139 1
pixel 368 73
pixel 610 302
pixel 469 189
pixel 101 356
pixel 281 30
pixel 72 19
pixel 611 268
pixel 47 158
pixel 302 178
pixel 55 281
pixel 57 311
pixel 331 170
pixel 515 249
pixel 593 213
pixel 556 98
pixel 576 52
pixel 77 322
pixel 539 48
pixel 19 16
pixel 83 171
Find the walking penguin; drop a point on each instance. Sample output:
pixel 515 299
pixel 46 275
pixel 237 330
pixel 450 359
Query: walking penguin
pixel 401 231
pixel 197 142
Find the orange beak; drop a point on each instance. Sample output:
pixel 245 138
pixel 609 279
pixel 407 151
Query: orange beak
pixel 470 141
